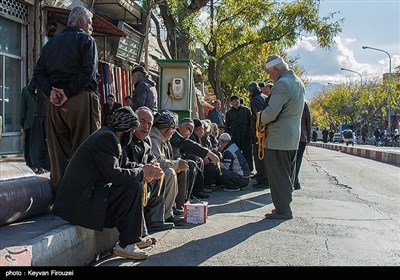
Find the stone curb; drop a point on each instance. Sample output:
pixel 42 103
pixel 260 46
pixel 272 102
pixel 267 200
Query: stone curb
pixel 382 156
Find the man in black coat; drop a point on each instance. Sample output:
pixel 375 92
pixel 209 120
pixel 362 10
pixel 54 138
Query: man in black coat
pixel 99 190
pixel 188 149
pixel 139 150
pixel 238 126
pixel 257 104
pixel 215 115
pixel 66 73
pixel 145 93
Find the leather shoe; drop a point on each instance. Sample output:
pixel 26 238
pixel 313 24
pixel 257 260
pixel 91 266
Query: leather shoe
pixel 178 211
pixel 297 186
pixel 159 226
pixel 260 186
pixel 276 216
pixel 177 220
pixel 130 252
pixel 207 190
pixel 201 195
pixel 144 242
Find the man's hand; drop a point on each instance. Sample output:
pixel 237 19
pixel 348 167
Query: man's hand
pixel 214 158
pixel 58 97
pixel 183 165
pixel 152 171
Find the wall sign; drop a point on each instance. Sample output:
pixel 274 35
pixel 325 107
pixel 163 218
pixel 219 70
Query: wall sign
pixel 130 47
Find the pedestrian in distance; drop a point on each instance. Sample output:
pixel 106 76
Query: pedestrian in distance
pixel 26 111
pixel 305 139
pixel 145 93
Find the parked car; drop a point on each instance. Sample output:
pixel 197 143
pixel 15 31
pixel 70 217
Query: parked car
pixel 337 137
pixel 348 137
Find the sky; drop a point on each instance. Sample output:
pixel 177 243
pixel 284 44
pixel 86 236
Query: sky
pixel 366 23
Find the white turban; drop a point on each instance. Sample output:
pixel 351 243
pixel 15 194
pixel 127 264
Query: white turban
pixel 275 61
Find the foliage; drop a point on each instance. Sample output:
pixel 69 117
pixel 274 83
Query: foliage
pixel 248 26
pixel 241 31
pixel 364 106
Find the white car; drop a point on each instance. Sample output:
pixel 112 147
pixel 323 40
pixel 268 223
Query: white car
pixel 337 137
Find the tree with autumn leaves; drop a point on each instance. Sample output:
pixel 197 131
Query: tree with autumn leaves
pixel 237 36
pixel 364 107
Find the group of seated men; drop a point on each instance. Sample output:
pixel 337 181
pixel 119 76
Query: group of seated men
pixel 137 172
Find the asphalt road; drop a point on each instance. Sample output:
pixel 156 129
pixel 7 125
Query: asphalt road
pixel 346 214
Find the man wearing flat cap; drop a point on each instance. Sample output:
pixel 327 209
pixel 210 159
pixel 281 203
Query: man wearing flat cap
pixel 100 190
pixel 145 93
pixel 282 117
pixel 238 126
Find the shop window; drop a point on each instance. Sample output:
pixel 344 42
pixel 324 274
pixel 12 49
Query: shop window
pixel 10 74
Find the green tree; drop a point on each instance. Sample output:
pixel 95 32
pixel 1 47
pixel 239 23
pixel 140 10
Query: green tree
pixel 237 25
pixel 179 19
pixel 364 107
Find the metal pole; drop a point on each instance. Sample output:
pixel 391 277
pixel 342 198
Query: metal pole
pixel 176 50
pixel 390 79
pixel 345 69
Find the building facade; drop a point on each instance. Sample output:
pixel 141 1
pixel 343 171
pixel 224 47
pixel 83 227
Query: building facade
pixel 24 26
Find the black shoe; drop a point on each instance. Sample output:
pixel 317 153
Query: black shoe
pixel 159 226
pixel 297 186
pixel 260 186
pixel 275 216
pixel 254 176
pixel 42 171
pixel 207 190
pixel 201 195
pixel 178 211
pixel 177 220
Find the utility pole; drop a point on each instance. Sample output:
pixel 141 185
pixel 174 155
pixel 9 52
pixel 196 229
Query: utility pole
pixel 147 34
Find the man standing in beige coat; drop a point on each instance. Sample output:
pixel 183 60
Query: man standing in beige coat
pixel 282 117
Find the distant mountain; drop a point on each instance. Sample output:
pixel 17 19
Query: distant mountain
pixel 312 89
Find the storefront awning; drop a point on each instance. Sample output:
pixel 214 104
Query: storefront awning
pixel 101 26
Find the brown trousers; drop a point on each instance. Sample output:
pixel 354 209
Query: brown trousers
pixel 69 126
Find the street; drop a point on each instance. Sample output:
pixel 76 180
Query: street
pixel 346 214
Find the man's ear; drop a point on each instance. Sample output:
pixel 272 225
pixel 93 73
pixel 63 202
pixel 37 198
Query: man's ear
pixel 81 22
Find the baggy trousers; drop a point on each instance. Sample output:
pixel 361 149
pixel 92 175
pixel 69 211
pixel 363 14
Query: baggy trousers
pixel 124 211
pixel 38 144
pixel 69 126
pixel 281 171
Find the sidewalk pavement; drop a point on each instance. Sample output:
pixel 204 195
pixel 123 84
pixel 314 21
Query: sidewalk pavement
pixel 46 240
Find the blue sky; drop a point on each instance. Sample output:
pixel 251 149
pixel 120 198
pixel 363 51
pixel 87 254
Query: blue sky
pixel 370 23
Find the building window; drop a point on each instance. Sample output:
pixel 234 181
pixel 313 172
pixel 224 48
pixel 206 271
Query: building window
pixel 10 74
pixel 15 10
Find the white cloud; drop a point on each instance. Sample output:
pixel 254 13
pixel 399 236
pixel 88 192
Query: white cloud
pixel 324 66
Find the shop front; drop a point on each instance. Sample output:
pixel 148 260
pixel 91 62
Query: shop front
pixel 24 26
pixel 13 35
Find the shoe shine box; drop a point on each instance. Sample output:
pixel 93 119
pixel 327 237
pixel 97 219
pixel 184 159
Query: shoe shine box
pixel 196 213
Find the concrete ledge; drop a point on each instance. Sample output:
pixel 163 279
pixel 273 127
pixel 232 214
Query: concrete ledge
pixel 389 157
pixel 64 245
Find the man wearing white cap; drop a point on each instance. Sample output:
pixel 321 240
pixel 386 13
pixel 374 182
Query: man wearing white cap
pixel 282 117
pixel 235 171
